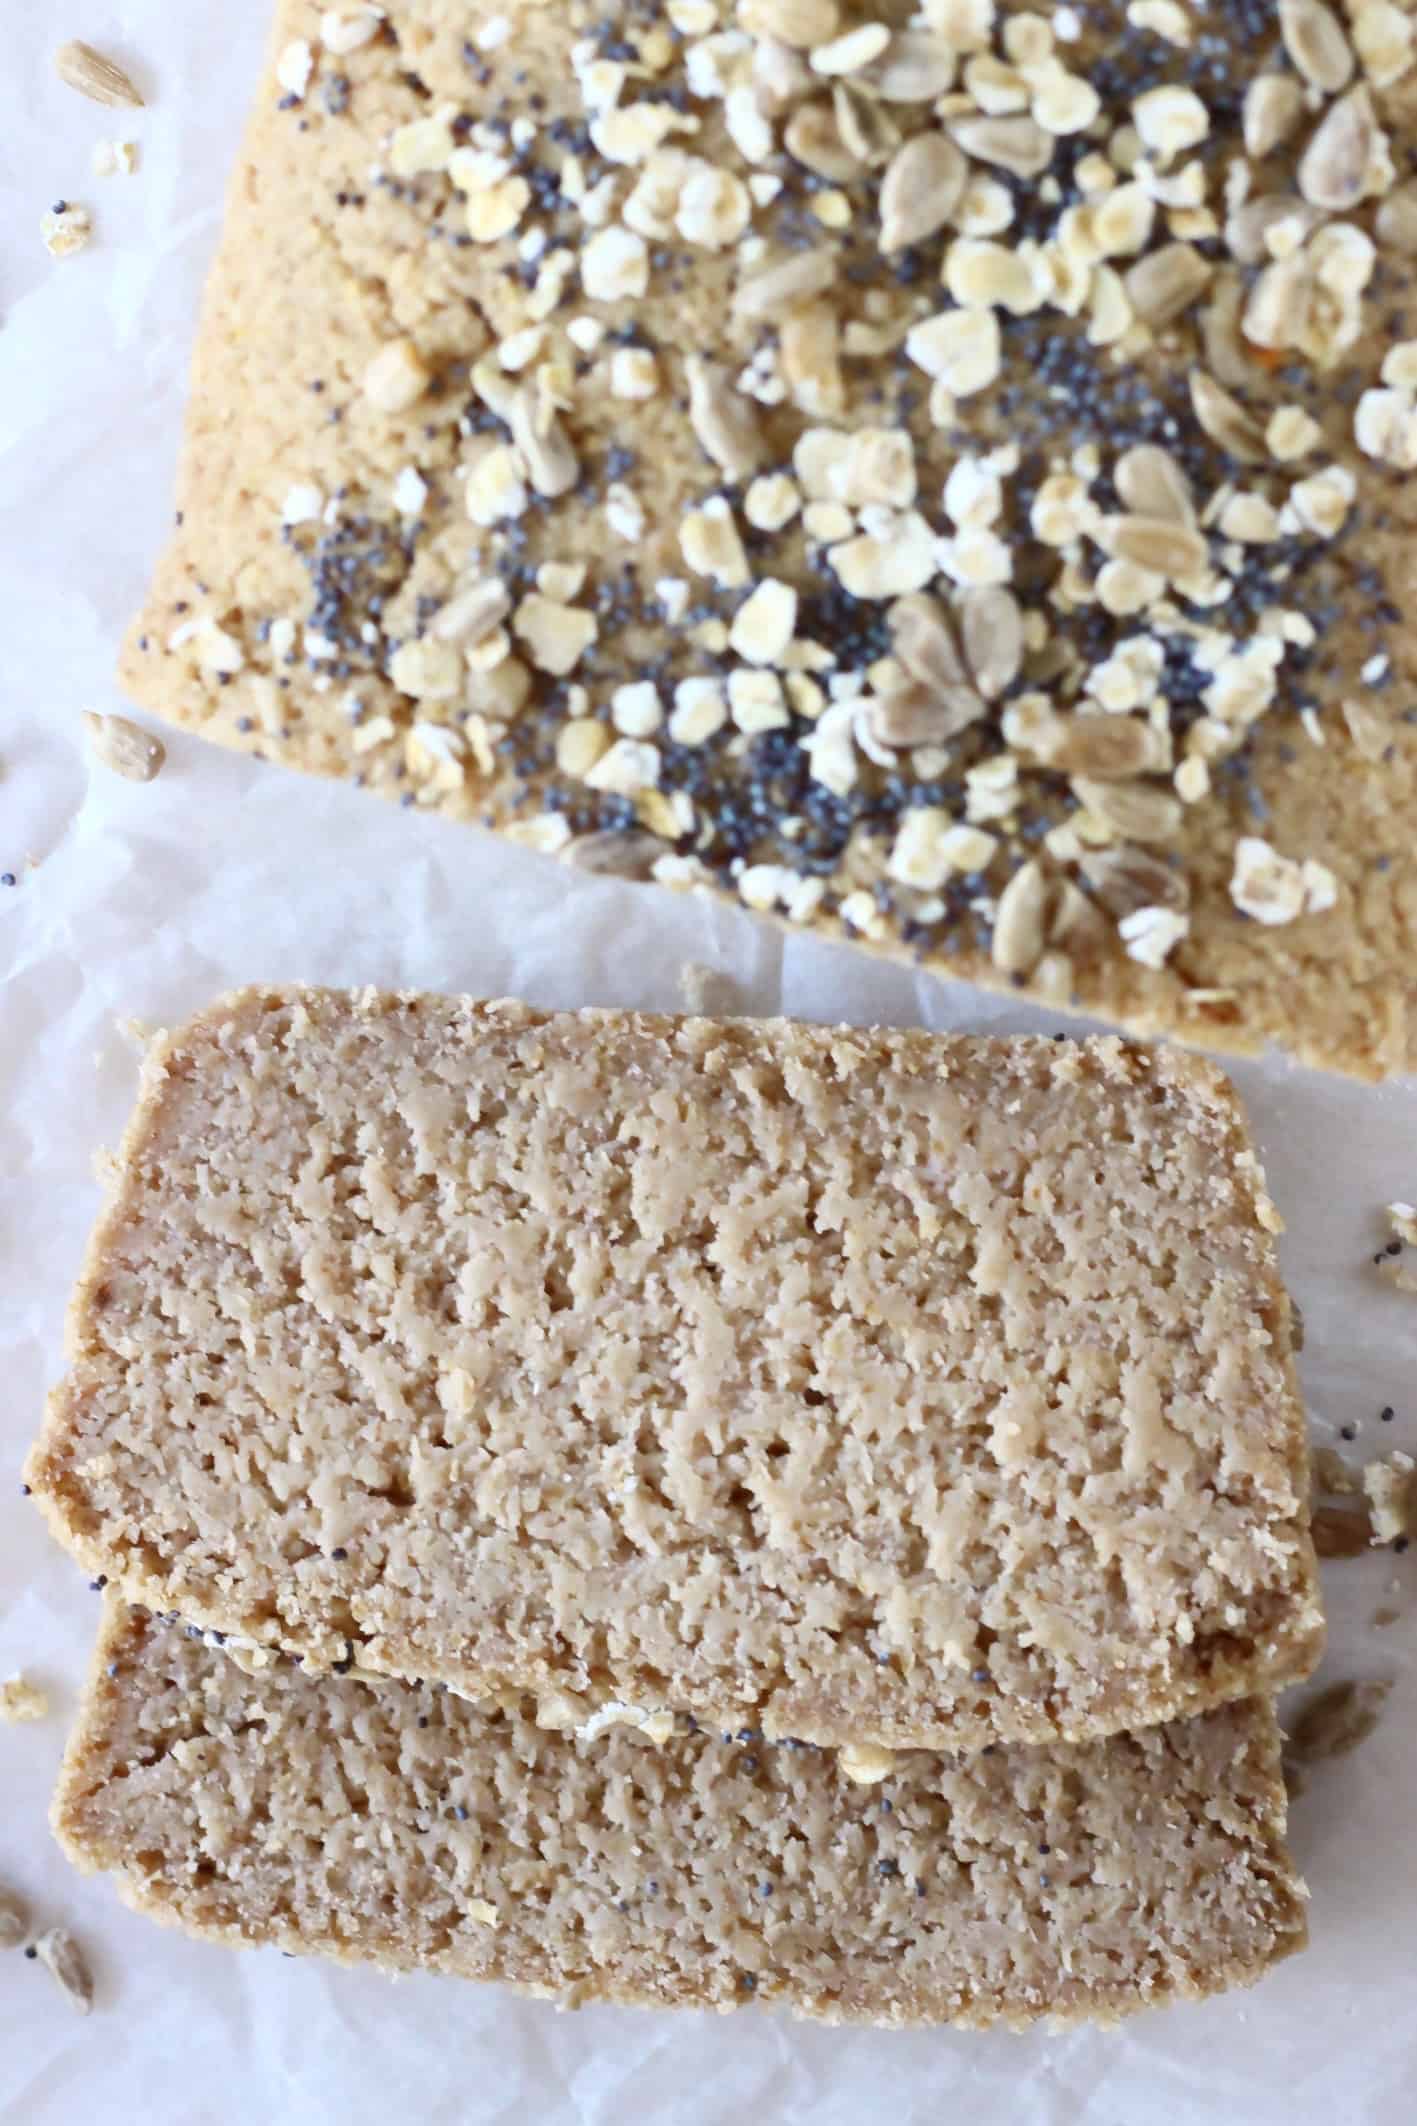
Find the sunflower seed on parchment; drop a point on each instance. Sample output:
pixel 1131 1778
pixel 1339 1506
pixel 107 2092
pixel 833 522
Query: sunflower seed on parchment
pixel 124 747
pixel 62 1957
pixel 101 80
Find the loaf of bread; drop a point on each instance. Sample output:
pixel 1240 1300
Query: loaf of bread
pixel 860 1387
pixel 400 1825
pixel 929 473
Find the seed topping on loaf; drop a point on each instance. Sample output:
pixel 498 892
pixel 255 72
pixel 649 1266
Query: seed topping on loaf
pixel 1061 362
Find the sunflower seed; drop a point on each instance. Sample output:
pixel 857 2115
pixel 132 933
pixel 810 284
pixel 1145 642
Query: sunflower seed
pixel 1274 104
pixel 810 359
pixel 1165 283
pixel 615 855
pixel 991 635
pixel 1247 229
pixel 1125 879
pixel 543 442
pixel 920 190
pixel 1314 40
pixel 802 24
pixel 472 615
pixel 1333 170
pixel 723 420
pixel 62 1957
pixel 1152 484
pixel 14 1919
pixel 1132 810
pixel 852 50
pixel 1220 330
pixel 1053 978
pixel 1397 218
pixel 922 716
pixel 866 128
pixel 1226 421
pixel 101 80
pixel 781 77
pixel 924 641
pixel 1020 927
pixel 1018 145
pixel 124 747
pixel 1078 924
pixel 814 139
pixel 1368 728
pixel 1278 304
pixel 1157 544
pixel 1105 748
pixel 915 67
pixel 770 294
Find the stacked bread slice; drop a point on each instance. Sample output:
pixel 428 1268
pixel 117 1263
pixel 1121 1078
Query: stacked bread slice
pixel 690 1511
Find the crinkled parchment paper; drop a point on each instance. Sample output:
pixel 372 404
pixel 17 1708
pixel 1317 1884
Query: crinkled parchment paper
pixel 140 903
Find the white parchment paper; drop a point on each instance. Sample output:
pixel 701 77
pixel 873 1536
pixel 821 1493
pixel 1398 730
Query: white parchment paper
pixel 140 903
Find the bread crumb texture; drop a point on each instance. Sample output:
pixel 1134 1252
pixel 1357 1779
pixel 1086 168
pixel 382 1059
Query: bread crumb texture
pixel 943 482
pixel 399 1825
pixel 863 1386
